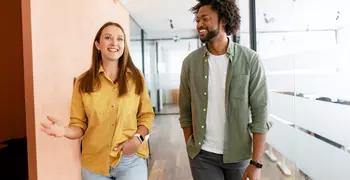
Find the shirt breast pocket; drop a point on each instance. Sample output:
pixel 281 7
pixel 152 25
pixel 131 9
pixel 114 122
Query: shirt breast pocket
pixel 95 109
pixel 129 112
pixel 239 87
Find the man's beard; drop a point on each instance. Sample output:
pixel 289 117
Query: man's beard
pixel 210 35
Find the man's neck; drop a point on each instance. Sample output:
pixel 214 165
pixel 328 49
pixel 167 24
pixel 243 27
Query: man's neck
pixel 218 45
pixel 111 69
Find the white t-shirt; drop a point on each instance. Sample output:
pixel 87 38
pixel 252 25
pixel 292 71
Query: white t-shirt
pixel 216 114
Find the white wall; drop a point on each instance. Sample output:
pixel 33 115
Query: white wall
pixel 136 54
pixel 277 44
pixel 151 70
pixel 171 56
pixel 343 36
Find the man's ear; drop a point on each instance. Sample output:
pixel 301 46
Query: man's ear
pixel 222 22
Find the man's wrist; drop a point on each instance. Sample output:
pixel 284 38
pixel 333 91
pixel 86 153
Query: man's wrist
pixel 256 164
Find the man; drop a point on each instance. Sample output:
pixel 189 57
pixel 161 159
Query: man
pixel 221 83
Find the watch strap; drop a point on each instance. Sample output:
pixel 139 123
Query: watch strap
pixel 256 164
pixel 140 137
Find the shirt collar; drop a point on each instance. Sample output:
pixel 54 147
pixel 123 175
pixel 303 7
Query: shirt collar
pixel 229 52
pixel 101 70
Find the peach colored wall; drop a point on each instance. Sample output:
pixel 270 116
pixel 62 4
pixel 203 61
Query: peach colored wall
pixel 12 110
pixel 62 38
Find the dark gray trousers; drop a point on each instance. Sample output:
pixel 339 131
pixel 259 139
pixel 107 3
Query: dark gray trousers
pixel 210 166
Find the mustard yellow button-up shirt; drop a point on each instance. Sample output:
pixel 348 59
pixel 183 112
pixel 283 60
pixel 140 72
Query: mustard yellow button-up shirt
pixel 109 120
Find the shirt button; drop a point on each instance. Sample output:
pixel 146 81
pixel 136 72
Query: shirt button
pixel 205 93
pixel 113 106
pixel 205 60
pixel 204 109
pixel 112 125
pixel 199 143
pixel 205 77
pixel 202 126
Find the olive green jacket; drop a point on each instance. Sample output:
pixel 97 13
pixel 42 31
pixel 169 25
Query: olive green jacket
pixel 246 97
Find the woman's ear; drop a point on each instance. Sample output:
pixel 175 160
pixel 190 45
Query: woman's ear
pixel 97 45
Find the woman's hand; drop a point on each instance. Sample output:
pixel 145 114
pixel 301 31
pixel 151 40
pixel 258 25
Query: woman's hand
pixel 130 146
pixel 54 128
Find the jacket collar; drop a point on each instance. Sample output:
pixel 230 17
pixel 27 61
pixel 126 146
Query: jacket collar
pixel 229 51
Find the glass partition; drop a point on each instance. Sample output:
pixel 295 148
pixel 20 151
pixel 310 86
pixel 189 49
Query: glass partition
pixel 304 46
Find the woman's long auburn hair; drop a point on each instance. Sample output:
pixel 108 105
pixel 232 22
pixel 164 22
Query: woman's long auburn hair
pixel 90 81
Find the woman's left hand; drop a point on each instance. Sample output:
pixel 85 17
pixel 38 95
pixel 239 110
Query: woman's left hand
pixel 129 147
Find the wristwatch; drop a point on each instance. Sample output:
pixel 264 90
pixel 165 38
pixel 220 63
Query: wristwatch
pixel 140 137
pixel 256 164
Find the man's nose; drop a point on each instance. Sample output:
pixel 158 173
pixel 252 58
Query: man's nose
pixel 199 24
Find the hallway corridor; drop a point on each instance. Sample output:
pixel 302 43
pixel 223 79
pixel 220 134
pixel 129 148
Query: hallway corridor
pixel 169 159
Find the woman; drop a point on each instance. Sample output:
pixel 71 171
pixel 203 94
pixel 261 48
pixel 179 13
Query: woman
pixel 111 110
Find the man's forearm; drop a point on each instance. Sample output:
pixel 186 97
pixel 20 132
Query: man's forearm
pixel 258 146
pixel 188 131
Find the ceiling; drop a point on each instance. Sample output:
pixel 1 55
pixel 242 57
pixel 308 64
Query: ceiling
pixel 272 15
pixel 154 17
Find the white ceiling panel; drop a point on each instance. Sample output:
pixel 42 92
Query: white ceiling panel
pixel 281 15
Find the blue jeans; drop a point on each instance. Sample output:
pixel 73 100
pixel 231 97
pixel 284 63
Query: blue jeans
pixel 129 168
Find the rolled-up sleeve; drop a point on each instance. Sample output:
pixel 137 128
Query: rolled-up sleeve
pixel 145 114
pixel 77 112
pixel 185 97
pixel 258 97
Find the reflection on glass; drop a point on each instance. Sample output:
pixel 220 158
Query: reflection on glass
pixel 307 62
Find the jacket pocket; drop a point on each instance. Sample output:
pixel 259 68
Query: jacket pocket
pixel 239 86
pixel 188 141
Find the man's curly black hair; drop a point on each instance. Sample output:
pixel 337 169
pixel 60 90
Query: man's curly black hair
pixel 226 9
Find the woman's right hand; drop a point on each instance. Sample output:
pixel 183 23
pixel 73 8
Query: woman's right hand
pixel 54 128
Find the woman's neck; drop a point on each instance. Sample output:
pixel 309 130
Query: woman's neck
pixel 111 69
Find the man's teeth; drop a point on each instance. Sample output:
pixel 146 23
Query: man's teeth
pixel 202 30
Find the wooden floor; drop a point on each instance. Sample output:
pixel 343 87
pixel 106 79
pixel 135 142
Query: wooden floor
pixel 169 160
pixel 169 109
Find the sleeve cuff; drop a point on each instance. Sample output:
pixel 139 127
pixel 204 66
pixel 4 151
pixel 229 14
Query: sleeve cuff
pixel 147 122
pixel 185 123
pixel 83 127
pixel 262 128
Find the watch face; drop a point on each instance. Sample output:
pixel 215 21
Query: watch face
pixel 141 137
